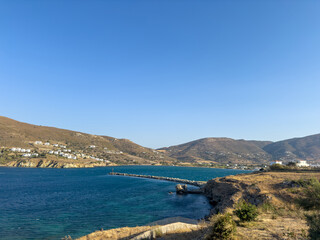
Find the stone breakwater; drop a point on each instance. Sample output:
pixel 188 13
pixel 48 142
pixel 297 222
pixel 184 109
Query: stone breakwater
pixel 178 180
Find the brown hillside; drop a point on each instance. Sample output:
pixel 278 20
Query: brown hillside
pixel 307 148
pixel 19 134
pixel 220 150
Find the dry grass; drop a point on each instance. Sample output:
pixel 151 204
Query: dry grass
pixel 269 227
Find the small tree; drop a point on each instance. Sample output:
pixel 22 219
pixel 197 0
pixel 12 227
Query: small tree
pixel 223 227
pixel 292 164
pixel 277 167
pixel 245 211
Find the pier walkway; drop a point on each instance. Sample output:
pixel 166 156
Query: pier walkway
pixel 178 180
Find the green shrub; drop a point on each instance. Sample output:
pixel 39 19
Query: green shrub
pixel 268 207
pixel 305 182
pixel 223 227
pixel 292 164
pixel 245 211
pixel 278 167
pixel 314 225
pixel 311 199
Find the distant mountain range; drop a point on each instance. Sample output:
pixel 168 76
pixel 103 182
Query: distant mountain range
pixel 228 151
pixel 123 151
pixel 219 150
pixel 307 148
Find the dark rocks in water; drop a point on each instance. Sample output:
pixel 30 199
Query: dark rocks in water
pixel 213 202
pixel 181 189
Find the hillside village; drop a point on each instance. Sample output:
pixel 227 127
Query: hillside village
pixel 42 148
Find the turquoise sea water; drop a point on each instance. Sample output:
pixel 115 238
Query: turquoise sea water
pixel 52 203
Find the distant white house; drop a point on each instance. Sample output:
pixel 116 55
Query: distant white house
pixel 18 150
pixel 28 150
pixel 92 146
pixel 56 145
pixel 38 142
pixel 276 162
pixel 315 165
pixel 26 155
pixel 302 163
pixel 47 144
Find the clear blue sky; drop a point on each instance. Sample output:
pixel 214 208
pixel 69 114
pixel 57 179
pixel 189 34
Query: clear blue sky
pixel 163 72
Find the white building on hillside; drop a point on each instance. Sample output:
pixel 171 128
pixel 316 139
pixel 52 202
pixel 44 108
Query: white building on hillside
pixel 302 163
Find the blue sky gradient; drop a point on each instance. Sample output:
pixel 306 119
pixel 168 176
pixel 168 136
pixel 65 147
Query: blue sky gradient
pixel 163 72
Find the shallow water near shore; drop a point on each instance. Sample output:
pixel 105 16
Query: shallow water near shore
pixel 52 203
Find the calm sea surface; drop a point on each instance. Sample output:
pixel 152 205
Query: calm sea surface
pixel 52 203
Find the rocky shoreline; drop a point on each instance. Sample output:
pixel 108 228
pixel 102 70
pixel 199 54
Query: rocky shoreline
pixel 44 163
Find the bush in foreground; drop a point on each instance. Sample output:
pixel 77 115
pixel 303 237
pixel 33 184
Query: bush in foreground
pixel 223 227
pixel 311 200
pixel 245 211
pixel 314 226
